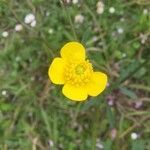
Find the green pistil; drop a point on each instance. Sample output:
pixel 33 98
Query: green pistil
pixel 79 69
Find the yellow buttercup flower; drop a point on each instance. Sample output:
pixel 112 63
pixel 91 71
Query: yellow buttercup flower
pixel 76 73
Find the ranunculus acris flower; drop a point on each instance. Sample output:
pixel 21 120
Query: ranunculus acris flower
pixel 76 73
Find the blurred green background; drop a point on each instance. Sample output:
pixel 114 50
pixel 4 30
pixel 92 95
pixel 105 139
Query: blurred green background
pixel 34 115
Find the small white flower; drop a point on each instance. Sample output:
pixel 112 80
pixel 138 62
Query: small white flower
pixel 122 19
pixel 100 10
pixel 143 38
pixel 5 34
pixel 113 133
pixel 79 18
pixel 18 27
pixel 47 13
pixel 95 38
pixel 33 23
pixel 29 18
pixel 124 55
pixel 99 4
pixel 138 104
pixel 99 146
pixel 100 7
pixel 51 143
pixel 134 136
pixel 120 30
pixel 145 11
pixel 4 92
pixel 110 102
pixel 75 1
pixel 108 84
pixel 50 31
pixel 111 10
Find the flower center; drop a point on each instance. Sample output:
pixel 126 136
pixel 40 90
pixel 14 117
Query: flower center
pixel 78 73
pixel 79 69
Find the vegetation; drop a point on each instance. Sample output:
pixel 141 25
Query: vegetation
pixel 34 114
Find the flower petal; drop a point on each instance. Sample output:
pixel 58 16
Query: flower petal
pixel 56 71
pixel 75 93
pixel 73 51
pixel 97 84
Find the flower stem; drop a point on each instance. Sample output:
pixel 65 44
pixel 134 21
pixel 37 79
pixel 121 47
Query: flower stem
pixel 70 20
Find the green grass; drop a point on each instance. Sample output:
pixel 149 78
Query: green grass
pixel 33 111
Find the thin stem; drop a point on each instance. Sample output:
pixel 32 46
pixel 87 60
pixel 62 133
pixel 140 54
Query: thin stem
pixel 140 87
pixel 70 21
pixel 72 26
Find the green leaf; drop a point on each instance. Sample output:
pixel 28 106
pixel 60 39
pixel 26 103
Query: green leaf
pixel 141 72
pixel 128 92
pixel 86 35
pixel 130 70
pixel 108 145
pixel 136 45
pixel 5 107
pixel 138 145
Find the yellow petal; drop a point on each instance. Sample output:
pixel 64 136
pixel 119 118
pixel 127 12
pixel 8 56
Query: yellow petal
pixel 56 71
pixel 97 84
pixel 73 51
pixel 75 93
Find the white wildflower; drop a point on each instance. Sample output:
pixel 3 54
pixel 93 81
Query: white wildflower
pixel 79 18
pixel 111 10
pixel 108 84
pixel 67 1
pixel 95 38
pixel 143 38
pixel 145 11
pixel 4 92
pixel 33 23
pixel 99 146
pixel 122 19
pixel 124 55
pixel 18 27
pixel 120 30
pixel 100 7
pixel 75 1
pixel 50 31
pixel 5 34
pixel 110 102
pixel 29 18
pixel 113 133
pixel 51 143
pixel 134 136
pixel 138 104
pixel 47 13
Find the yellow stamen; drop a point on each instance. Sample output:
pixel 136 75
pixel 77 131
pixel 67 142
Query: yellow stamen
pixel 78 73
pixel 80 69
